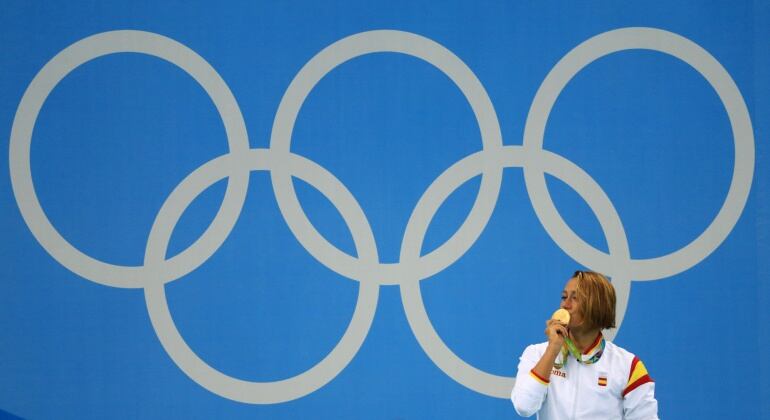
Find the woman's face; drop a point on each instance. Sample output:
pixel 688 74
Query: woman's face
pixel 570 302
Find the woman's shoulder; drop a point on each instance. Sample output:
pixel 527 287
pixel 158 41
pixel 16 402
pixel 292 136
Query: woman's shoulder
pixel 619 353
pixel 629 365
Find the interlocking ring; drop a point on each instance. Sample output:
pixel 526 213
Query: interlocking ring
pixel 21 175
pixel 366 268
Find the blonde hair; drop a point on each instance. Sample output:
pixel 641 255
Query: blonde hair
pixel 597 299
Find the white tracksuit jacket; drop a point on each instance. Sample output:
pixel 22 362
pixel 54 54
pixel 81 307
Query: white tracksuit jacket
pixel 617 386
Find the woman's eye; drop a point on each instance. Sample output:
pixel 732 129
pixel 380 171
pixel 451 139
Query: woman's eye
pixel 563 297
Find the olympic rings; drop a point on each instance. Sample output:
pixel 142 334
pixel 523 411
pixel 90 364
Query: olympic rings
pixel 366 268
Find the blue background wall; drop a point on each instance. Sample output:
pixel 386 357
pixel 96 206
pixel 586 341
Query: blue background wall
pixel 119 133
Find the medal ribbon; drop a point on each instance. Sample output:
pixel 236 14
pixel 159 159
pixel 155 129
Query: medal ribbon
pixel 570 348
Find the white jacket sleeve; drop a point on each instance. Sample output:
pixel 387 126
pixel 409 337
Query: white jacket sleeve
pixel 530 391
pixel 639 401
pixel 640 404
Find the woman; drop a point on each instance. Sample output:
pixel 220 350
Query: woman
pixel 577 374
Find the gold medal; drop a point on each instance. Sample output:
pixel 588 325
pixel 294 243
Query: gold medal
pixel 562 316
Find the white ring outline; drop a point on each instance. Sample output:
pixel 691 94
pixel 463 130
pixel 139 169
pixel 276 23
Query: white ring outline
pixel 459 173
pixel 308 77
pixel 253 392
pixel 743 135
pixel 35 96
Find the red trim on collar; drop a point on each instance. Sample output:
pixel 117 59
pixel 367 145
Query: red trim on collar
pixel 595 343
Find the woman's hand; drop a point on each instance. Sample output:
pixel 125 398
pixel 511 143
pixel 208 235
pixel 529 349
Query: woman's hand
pixel 556 332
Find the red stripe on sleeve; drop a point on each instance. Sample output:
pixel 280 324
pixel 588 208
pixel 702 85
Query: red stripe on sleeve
pixel 539 377
pixel 639 382
pixel 633 366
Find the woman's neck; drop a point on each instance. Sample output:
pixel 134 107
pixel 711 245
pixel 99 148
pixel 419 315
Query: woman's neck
pixel 583 339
